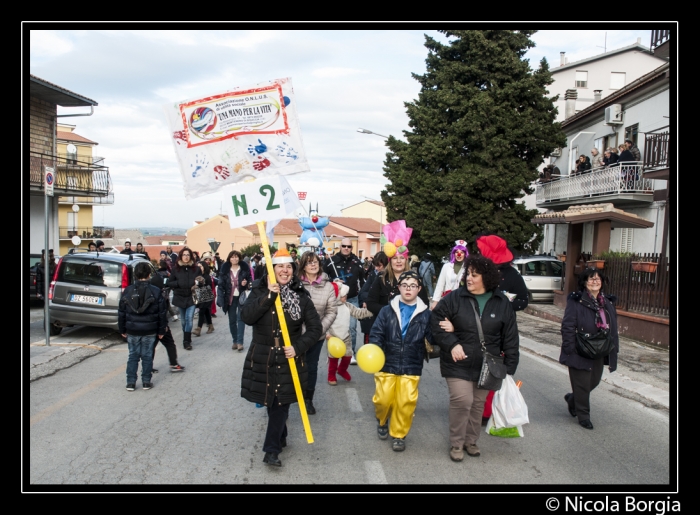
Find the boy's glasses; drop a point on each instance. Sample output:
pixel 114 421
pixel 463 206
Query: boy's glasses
pixel 405 286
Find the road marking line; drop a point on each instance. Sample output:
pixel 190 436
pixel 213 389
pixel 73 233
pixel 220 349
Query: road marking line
pixel 353 400
pixel 375 473
pixel 75 395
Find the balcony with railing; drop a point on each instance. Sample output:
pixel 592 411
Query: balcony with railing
pixel 73 176
pixel 86 232
pixel 88 201
pixel 656 148
pixel 622 185
pixel 660 43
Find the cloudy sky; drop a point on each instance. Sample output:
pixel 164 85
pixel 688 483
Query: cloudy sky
pixel 343 80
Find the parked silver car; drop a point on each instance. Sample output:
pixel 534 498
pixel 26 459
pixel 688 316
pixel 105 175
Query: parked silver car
pixel 88 288
pixel 542 275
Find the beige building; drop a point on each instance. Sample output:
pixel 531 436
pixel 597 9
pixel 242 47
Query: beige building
pixel 75 213
pixel 373 209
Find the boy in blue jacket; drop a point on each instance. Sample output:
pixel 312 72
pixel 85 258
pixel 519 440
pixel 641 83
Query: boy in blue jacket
pixel 400 330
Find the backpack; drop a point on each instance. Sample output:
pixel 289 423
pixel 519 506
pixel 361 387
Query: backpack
pixel 140 298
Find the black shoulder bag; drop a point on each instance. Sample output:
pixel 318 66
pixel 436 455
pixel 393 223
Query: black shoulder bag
pixel 493 370
pixel 594 346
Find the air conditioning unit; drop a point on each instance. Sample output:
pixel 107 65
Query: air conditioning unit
pixel 556 152
pixel 613 114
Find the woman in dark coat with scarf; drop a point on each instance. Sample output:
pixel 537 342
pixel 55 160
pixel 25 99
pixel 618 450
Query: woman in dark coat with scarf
pixel 181 280
pixel 202 280
pixel 461 355
pixel 234 280
pixel 588 311
pixel 267 377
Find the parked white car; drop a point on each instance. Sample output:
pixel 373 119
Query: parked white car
pixel 542 275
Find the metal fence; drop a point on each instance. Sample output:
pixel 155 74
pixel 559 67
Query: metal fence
pixel 640 291
pixel 656 150
pixel 69 178
pixel 626 178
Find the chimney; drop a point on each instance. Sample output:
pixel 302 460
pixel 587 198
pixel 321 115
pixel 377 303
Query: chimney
pixel 597 94
pixel 570 108
pixel 562 61
pixel 639 41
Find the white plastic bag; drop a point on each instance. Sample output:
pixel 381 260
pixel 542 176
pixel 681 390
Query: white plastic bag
pixel 509 408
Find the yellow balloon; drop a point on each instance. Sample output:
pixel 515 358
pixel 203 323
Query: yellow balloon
pixel 370 358
pixel 389 249
pixel 336 347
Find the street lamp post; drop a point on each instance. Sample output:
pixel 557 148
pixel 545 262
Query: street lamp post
pixel 365 131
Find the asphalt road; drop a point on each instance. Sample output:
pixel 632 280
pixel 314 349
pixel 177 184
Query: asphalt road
pixel 193 428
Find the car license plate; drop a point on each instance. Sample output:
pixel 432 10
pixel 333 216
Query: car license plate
pixel 86 299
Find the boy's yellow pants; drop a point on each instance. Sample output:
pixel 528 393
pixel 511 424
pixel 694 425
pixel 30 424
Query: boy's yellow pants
pixel 396 396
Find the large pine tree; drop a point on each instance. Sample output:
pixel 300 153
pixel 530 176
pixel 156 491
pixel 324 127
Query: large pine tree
pixel 480 128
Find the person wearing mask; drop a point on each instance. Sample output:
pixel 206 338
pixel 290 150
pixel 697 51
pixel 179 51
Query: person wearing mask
pixel 451 272
pixel 479 301
pixel 588 310
pixel 426 272
pixel 267 361
pixel 234 279
pixel 346 266
pixel 181 281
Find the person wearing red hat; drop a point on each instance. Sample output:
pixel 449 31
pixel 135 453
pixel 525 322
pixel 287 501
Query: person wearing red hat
pixel 512 284
pixel 267 376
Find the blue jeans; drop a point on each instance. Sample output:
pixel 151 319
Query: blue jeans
pixel 353 323
pixel 235 324
pixel 187 318
pixel 140 348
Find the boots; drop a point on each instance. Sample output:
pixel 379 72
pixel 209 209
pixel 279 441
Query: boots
pixel 197 331
pixel 187 341
pixel 210 328
pixel 308 400
pixel 332 367
pixel 343 368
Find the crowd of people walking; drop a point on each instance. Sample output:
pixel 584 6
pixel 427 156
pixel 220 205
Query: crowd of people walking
pixel 470 312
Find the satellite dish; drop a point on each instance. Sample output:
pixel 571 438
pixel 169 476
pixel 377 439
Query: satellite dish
pixel 71 149
pixel 75 240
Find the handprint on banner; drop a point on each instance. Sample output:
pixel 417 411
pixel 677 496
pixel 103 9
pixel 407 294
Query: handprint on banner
pixel 257 149
pixel 180 137
pixel 285 151
pixel 261 164
pixel 221 173
pixel 199 165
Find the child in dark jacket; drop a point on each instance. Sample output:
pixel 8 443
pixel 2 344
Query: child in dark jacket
pixel 400 329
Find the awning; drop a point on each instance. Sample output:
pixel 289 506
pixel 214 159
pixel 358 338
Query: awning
pixel 593 213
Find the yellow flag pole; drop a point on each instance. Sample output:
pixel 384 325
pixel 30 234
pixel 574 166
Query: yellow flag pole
pixel 285 333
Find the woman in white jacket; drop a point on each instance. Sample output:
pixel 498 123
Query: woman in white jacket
pixel 451 272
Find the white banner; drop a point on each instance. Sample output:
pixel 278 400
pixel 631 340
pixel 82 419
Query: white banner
pixel 267 200
pixel 225 138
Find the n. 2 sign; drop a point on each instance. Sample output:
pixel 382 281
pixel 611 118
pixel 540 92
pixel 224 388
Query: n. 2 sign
pixel 261 200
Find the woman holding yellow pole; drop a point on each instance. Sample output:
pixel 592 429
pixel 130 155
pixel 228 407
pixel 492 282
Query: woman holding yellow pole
pixel 267 377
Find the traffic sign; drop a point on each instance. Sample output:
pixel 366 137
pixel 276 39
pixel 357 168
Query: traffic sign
pixel 49 179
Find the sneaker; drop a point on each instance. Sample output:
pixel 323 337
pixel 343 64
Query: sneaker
pixel 383 431
pixel 472 449
pixel 131 387
pixel 399 444
pixel 154 370
pixel 175 318
pixel 456 454
pixel 353 361
pixel 147 386
pixel 177 368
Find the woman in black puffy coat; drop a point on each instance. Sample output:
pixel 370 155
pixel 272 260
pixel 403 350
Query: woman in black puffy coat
pixel 588 311
pixel 181 281
pixel 203 280
pixel 267 377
